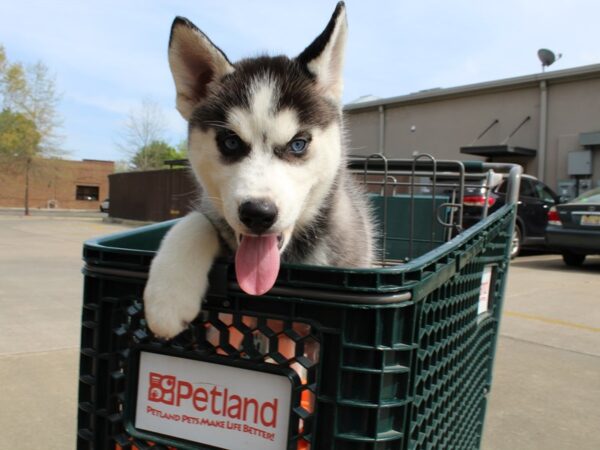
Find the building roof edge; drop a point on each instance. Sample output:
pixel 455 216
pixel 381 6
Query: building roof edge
pixel 505 83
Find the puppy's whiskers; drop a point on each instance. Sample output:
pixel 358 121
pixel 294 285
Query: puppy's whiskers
pixel 214 199
pixel 217 124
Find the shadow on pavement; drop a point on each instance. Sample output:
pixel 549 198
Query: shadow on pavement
pixel 554 263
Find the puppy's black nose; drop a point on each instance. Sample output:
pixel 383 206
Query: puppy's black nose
pixel 258 215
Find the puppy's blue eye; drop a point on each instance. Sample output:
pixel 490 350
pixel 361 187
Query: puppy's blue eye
pixel 232 143
pixel 298 146
pixel 231 147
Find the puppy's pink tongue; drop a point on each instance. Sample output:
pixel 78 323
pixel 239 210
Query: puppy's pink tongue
pixel 257 263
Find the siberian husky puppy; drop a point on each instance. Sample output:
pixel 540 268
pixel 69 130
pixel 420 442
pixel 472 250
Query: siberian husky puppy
pixel 266 144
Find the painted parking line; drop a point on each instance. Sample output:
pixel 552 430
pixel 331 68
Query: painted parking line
pixel 547 320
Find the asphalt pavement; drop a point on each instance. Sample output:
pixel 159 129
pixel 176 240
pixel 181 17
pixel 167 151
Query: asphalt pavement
pixel 545 393
pixel 546 387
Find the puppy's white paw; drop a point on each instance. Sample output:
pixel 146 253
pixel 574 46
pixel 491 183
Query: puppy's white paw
pixel 170 308
pixel 178 277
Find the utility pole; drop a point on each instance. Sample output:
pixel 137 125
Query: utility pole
pixel 27 168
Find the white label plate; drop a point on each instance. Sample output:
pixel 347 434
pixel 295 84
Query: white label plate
pixel 212 404
pixel 484 290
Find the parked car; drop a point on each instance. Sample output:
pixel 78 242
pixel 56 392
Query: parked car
pixel 574 228
pixel 105 205
pixel 535 200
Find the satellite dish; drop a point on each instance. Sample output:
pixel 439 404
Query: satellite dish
pixel 547 57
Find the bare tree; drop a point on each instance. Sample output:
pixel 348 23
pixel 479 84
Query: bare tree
pixel 144 125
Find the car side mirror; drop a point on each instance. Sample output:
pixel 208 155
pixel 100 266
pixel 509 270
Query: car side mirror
pixel 563 199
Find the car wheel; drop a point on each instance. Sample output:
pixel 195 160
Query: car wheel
pixel 516 242
pixel 573 259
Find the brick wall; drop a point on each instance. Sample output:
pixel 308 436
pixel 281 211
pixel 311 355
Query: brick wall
pixel 55 183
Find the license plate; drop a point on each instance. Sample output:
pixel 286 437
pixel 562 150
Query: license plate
pixel 590 220
pixel 212 404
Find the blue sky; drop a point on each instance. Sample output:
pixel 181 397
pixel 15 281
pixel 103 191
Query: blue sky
pixel 107 56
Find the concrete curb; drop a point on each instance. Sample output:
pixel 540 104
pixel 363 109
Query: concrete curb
pixel 127 222
pixel 52 212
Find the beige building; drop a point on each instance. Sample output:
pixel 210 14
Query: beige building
pixel 547 122
pixel 56 183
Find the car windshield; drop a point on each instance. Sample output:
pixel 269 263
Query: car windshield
pixel 592 196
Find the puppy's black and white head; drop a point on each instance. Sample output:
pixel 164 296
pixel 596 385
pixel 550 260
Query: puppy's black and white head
pixel 265 138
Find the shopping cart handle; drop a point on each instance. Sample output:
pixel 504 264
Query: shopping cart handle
pixel 372 163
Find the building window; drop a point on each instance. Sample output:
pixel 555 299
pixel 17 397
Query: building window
pixel 91 193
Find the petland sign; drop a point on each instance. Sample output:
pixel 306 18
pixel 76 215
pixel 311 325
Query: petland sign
pixel 223 406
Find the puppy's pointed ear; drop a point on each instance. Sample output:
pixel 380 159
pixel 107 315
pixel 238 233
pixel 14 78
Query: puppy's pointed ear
pixel 324 58
pixel 195 63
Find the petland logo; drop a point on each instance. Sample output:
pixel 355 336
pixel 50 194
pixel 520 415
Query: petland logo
pixel 208 403
pixel 219 402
